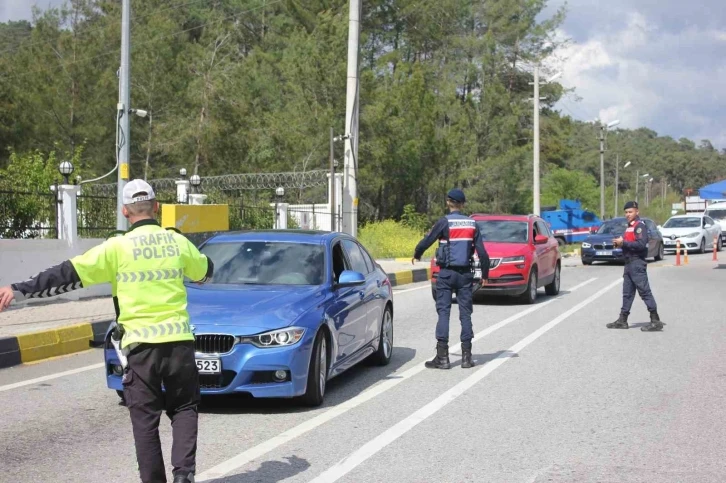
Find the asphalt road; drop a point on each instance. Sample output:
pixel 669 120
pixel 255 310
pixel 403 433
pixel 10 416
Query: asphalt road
pixel 555 396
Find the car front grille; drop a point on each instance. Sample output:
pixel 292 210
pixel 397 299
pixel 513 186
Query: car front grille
pixel 515 277
pixel 216 381
pixel 213 343
pixel 603 246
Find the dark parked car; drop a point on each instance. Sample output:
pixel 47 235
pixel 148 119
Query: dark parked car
pixel 599 245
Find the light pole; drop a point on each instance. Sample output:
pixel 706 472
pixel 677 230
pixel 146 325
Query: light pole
pixel 350 164
pixel 279 193
pixel 617 183
pixel 122 119
pixel 603 128
pixel 648 184
pixel 637 179
pixel 536 98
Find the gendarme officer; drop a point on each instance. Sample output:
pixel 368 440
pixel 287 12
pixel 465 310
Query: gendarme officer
pixel 635 249
pixel 146 269
pixel 458 237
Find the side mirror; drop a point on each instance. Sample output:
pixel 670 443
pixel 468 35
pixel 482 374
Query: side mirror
pixel 350 278
pixel 540 240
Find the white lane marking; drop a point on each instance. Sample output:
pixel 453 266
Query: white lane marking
pixel 393 380
pixel 51 377
pixel 396 292
pixel 349 463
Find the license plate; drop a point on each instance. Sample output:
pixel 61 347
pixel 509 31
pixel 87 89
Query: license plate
pixel 209 366
pixel 477 273
pixel 604 253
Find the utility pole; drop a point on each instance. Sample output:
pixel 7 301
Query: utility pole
pixel 602 171
pixel 637 179
pixel 332 181
pixel 350 168
pixel 122 120
pixel 535 184
pixel 617 184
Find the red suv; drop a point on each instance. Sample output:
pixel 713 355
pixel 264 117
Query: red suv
pixel 524 256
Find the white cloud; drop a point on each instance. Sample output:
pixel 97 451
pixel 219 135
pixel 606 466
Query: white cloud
pixel 647 75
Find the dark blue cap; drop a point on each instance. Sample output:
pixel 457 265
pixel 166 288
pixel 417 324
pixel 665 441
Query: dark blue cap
pixel 631 204
pixel 456 195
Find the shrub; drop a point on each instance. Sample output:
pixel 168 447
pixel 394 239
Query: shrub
pixel 390 239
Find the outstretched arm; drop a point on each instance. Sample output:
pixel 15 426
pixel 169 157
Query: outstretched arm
pixel 436 232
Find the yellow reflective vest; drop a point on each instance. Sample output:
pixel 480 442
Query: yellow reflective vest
pixel 146 268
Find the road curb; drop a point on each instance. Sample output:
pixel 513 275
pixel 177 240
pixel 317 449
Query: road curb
pixel 60 341
pixel 44 344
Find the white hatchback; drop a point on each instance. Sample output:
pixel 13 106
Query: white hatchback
pixel 696 232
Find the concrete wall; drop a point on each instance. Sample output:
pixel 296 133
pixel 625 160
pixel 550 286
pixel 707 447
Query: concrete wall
pixel 22 259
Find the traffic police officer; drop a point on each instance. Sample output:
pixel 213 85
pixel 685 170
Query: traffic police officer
pixel 146 268
pixel 458 237
pixel 635 249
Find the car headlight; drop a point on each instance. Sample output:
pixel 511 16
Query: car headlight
pixel 586 245
pixel 692 235
pixel 518 259
pixel 275 338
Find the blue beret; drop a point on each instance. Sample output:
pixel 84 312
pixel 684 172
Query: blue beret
pixel 631 204
pixel 456 195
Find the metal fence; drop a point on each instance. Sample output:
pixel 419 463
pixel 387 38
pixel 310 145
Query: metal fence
pixel 28 214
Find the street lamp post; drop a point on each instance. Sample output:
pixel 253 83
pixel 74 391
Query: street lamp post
pixel 637 179
pixel 617 184
pixel 536 148
pixel 279 193
pixel 603 128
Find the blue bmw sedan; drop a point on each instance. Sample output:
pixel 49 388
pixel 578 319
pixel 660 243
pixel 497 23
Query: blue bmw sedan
pixel 599 246
pixel 285 312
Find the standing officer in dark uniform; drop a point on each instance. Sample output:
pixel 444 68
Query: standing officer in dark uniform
pixel 146 269
pixel 458 237
pixel 635 250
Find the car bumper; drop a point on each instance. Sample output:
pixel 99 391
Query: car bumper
pixel 500 282
pixel 690 244
pixel 246 369
pixel 605 255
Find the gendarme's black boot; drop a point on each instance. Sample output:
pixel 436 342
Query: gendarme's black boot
pixel 441 361
pixel 184 478
pixel 655 323
pixel 621 323
pixel 466 361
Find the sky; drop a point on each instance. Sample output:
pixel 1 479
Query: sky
pixel 659 64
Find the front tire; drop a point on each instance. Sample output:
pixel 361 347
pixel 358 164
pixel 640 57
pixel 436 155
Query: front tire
pixel 661 253
pixel 553 288
pixel 702 248
pixel 383 355
pixel 317 372
pixel 530 295
pixel 719 245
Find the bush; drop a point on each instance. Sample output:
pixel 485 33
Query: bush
pixel 389 239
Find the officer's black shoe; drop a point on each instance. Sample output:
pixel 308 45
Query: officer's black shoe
pixel 466 361
pixel 441 361
pixel 184 478
pixel 621 323
pixel 655 323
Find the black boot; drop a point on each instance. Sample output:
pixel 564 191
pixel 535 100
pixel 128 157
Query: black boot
pixel 441 361
pixel 621 323
pixel 180 478
pixel 466 361
pixel 655 323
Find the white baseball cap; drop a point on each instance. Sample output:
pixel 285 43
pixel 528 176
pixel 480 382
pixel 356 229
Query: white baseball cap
pixel 137 190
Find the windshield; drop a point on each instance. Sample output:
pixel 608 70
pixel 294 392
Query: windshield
pixel 717 214
pixel 691 222
pixel 266 263
pixel 613 228
pixel 503 231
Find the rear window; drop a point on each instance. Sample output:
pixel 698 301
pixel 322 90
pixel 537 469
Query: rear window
pixel 266 263
pixel 504 231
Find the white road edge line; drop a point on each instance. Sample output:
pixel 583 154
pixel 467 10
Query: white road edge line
pixel 393 380
pixel 349 463
pixel 52 376
pixel 396 292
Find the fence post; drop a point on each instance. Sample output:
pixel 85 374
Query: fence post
pixel 68 222
pixel 282 219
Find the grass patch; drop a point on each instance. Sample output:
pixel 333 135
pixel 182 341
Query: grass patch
pixel 390 239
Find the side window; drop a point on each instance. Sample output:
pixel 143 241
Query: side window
pixel 541 229
pixel 355 256
pixel 339 262
pixel 710 221
pixel 368 259
pixel 650 225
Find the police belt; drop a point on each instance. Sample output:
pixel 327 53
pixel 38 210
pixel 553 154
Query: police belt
pixel 466 269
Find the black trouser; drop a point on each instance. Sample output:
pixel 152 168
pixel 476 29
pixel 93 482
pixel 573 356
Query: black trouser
pixel 151 365
pixel 448 282
pixel 635 277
